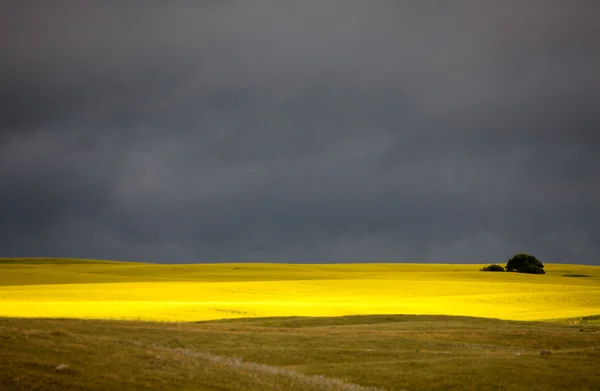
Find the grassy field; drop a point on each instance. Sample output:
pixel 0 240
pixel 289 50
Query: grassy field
pixel 356 353
pixel 150 292
pixel 307 349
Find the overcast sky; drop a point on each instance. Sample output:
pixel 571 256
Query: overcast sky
pixel 300 131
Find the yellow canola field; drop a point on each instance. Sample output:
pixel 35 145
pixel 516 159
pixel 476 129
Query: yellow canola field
pixel 204 292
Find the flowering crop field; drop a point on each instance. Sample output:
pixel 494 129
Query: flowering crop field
pixel 184 292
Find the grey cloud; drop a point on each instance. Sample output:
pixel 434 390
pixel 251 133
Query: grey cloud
pixel 311 131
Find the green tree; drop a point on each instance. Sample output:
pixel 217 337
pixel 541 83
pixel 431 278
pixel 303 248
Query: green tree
pixel 493 268
pixel 525 263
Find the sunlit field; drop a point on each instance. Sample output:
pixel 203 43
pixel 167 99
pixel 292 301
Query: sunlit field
pixel 134 291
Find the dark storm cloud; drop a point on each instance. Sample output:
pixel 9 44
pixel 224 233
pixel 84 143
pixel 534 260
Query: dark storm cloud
pixel 305 131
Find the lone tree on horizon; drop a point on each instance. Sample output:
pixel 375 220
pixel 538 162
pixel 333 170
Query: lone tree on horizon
pixel 525 263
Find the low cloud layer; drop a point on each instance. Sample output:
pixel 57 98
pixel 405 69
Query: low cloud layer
pixel 313 131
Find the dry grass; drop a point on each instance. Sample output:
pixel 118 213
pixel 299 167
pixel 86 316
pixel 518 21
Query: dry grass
pixel 387 352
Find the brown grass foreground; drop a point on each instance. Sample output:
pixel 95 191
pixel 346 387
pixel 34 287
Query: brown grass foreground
pixel 387 352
